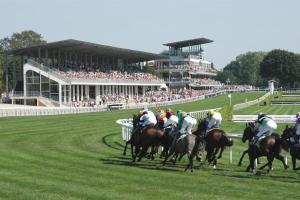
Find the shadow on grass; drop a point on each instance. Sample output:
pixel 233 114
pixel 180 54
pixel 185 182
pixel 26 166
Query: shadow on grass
pixel 107 140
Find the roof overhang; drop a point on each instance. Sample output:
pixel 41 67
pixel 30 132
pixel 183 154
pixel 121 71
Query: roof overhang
pixel 191 42
pixel 86 47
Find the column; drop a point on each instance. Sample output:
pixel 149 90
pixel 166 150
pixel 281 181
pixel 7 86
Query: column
pixel 73 95
pixel 14 73
pixel 70 91
pixel 102 91
pixel 65 94
pixel 59 94
pixel 109 89
pixel 97 94
pixel 136 90
pixel 81 93
pixel 88 92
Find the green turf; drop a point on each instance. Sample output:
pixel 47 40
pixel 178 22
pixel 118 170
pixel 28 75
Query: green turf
pixel 80 157
pixel 270 110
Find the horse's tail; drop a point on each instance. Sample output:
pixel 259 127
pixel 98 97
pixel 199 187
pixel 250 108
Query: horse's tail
pixel 227 141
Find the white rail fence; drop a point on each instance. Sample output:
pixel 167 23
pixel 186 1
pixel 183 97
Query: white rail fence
pixel 250 103
pixel 276 118
pixel 46 111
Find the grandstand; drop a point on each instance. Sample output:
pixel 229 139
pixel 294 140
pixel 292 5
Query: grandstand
pixel 185 66
pixel 72 72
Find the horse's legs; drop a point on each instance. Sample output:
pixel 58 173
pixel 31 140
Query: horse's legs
pixel 262 167
pixel 125 148
pixel 281 158
pixel 242 157
pixel 143 152
pixel 136 152
pixel 270 158
pixel 221 152
pixel 294 163
pixel 180 157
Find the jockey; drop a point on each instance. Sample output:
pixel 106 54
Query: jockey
pixel 161 118
pixel 147 118
pixel 213 120
pixel 297 128
pixel 171 119
pixel 265 126
pixel 188 123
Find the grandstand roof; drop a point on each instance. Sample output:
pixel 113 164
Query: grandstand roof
pixel 87 47
pixel 191 42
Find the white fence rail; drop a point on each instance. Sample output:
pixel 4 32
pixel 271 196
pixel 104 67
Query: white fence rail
pixel 276 118
pixel 46 111
pixel 250 103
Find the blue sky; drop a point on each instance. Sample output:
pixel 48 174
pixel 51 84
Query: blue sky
pixel 236 26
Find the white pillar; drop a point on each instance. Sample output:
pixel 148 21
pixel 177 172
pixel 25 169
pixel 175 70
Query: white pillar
pixel 65 94
pixel 97 94
pixel 144 90
pixel 88 92
pixel 81 93
pixel 109 88
pixel 73 93
pixel 102 89
pixel 70 87
pixel 59 94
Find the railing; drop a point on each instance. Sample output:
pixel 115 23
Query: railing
pixel 250 103
pixel 276 118
pixel 48 70
pixel 13 112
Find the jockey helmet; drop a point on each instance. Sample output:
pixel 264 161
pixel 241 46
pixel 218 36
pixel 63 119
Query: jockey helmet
pixel 261 115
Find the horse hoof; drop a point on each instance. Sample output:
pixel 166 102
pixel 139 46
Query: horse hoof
pixel 214 167
pixel 286 167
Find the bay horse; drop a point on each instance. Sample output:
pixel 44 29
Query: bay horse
pixel 294 149
pixel 244 139
pixel 270 146
pixel 142 139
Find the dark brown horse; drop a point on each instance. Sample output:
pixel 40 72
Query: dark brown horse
pixel 249 126
pixel 214 140
pixel 288 134
pixel 142 139
pixel 269 146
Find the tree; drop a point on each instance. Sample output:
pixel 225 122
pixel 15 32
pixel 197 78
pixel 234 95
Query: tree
pixel 282 66
pixel 17 40
pixel 244 69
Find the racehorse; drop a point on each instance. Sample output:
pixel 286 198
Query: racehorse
pixel 270 146
pixel 288 133
pixel 188 144
pixel 244 139
pixel 142 139
pixel 215 140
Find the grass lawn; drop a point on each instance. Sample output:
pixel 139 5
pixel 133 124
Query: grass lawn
pixel 80 157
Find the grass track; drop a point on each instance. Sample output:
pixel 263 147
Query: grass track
pixel 79 157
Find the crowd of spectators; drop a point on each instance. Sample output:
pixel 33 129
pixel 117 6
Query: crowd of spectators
pixel 205 81
pixel 96 74
pixel 158 96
